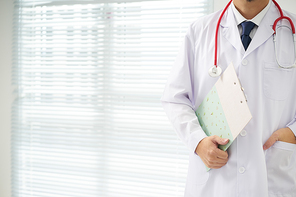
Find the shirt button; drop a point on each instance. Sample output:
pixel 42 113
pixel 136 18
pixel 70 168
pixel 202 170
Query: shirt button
pixel 244 62
pixel 243 133
pixel 242 170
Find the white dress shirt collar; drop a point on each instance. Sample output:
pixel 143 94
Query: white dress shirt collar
pixel 257 19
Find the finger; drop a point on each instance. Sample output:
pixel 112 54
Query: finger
pixel 221 154
pixel 217 156
pixel 214 152
pixel 221 161
pixel 272 139
pixel 221 141
pixel 218 163
pixel 217 166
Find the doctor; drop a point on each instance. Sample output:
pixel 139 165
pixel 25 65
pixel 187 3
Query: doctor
pixel 261 162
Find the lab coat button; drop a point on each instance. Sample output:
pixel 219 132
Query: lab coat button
pixel 242 170
pixel 243 133
pixel 244 62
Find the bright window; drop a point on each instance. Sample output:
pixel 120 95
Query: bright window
pixel 87 118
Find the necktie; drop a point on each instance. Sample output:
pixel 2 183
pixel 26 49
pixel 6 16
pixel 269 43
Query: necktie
pixel 247 28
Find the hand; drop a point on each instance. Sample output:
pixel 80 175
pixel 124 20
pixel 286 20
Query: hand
pixel 284 135
pixel 210 154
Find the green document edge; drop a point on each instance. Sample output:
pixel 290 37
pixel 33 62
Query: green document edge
pixel 212 119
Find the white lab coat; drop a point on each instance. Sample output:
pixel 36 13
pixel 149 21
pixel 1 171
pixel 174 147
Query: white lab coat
pixel 271 94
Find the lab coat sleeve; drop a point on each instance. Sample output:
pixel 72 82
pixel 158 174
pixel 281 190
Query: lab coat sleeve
pixel 185 124
pixel 177 99
pixel 292 125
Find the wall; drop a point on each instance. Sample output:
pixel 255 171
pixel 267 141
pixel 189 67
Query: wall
pixel 6 12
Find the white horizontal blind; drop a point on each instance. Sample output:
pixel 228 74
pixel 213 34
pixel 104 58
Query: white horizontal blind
pixel 87 120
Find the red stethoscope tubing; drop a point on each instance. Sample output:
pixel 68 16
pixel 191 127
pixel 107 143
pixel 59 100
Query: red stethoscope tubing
pixel 274 25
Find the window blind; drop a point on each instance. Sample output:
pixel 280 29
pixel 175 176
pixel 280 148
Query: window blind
pixel 87 120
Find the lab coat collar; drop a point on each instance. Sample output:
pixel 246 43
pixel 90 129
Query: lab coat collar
pixel 230 31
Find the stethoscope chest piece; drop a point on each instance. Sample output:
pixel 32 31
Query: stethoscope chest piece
pixel 215 71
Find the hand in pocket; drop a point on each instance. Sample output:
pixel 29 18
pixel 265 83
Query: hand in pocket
pixel 284 135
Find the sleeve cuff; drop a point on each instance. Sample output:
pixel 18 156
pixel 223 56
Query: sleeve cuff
pixel 292 126
pixel 194 140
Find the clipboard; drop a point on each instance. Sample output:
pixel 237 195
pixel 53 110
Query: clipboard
pixel 224 111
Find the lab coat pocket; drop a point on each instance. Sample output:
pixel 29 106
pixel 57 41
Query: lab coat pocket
pixel 277 81
pixel 281 169
pixel 197 173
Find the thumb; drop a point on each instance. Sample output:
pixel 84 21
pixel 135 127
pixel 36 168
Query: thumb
pixel 221 141
pixel 272 139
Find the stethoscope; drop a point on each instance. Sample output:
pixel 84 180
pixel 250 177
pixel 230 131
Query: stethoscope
pixel 216 71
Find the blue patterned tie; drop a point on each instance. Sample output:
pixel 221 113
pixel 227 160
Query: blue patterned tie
pixel 247 28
